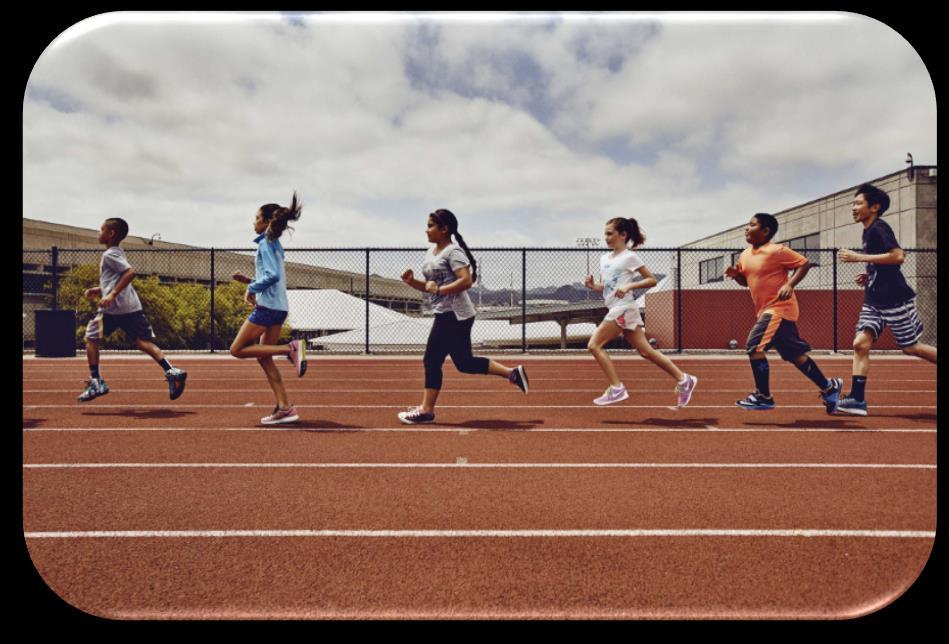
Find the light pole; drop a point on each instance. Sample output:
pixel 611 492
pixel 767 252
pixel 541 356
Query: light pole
pixel 588 243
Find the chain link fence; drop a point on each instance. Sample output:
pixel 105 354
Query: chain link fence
pixel 352 300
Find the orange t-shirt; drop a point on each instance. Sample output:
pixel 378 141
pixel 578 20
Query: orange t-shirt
pixel 766 270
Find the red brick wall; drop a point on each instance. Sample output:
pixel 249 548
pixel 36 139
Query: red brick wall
pixel 713 317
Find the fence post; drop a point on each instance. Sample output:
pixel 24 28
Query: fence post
pixel 55 263
pixel 213 284
pixel 367 301
pixel 523 300
pixel 834 262
pixel 679 297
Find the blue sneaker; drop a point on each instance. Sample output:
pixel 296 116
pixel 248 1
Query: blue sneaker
pixel 94 389
pixel 831 396
pixel 851 406
pixel 756 401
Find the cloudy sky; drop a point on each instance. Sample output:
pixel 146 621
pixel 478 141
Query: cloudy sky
pixel 533 129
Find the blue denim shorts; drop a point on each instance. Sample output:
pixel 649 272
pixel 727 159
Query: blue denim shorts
pixel 267 317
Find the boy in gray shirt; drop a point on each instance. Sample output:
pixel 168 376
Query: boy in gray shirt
pixel 120 308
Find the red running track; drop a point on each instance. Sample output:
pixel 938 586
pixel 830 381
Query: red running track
pixel 512 506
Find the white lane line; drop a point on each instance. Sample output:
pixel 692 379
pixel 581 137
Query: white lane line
pixel 533 430
pixel 589 407
pixel 882 466
pixel 454 534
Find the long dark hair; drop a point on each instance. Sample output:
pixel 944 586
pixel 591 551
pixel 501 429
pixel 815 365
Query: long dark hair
pixel 446 219
pixel 631 228
pixel 279 217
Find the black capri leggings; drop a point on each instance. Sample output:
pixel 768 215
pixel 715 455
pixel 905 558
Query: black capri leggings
pixel 450 336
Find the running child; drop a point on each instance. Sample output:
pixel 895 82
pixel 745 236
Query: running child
pixel 617 270
pixel 763 268
pixel 450 270
pixel 120 308
pixel 887 299
pixel 267 293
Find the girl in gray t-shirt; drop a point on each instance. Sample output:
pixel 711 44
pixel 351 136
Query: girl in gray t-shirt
pixel 449 271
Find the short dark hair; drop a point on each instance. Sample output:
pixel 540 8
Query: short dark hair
pixel 120 227
pixel 874 196
pixel 767 221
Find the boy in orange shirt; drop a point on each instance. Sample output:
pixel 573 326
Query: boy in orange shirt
pixel 763 268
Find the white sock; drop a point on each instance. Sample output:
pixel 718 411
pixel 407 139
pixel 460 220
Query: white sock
pixel 684 380
pixel 620 388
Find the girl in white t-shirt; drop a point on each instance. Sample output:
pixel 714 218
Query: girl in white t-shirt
pixel 450 270
pixel 617 271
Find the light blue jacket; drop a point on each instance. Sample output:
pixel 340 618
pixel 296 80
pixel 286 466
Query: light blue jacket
pixel 270 280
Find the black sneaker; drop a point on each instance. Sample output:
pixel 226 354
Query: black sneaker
pixel 176 382
pixel 519 377
pixel 756 401
pixel 415 416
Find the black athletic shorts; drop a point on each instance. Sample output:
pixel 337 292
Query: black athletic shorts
pixel 774 331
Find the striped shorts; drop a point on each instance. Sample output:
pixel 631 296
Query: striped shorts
pixel 903 321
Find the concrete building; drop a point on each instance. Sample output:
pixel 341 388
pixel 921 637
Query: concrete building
pixel 711 304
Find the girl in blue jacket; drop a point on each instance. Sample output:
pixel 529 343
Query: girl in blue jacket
pixel 267 293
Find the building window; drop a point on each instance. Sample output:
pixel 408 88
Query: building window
pixel 712 270
pixel 734 258
pixel 807 243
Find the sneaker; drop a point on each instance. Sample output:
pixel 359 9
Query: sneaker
pixel 847 405
pixel 685 390
pixel 176 382
pixel 415 416
pixel 831 396
pixel 612 395
pixel 756 401
pixel 298 356
pixel 519 378
pixel 279 416
pixel 94 389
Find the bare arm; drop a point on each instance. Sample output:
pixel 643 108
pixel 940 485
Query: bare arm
pixel 124 281
pixel 593 286
pixel 733 273
pixel 463 283
pixel 793 281
pixel 895 256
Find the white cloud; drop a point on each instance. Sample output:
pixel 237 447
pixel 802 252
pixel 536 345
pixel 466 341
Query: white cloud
pixel 189 126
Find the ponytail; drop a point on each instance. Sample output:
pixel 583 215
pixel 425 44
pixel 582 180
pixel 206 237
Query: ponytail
pixel 279 217
pixel 634 235
pixel 447 219
pixel 474 264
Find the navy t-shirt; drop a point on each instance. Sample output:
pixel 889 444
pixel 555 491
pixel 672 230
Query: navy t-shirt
pixel 886 287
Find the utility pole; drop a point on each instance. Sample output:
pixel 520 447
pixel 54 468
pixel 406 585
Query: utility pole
pixel 588 243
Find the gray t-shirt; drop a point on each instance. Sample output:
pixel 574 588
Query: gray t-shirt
pixel 441 269
pixel 113 264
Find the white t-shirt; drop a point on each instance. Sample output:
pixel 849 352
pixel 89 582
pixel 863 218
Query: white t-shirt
pixel 112 266
pixel 441 269
pixel 616 271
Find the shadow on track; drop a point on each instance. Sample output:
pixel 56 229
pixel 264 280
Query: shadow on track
pixel 682 423
pixel 30 423
pixel 507 425
pixel 151 414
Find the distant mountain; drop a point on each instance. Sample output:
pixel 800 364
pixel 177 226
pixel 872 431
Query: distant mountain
pixel 572 293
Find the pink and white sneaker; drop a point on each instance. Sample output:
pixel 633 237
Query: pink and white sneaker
pixel 298 356
pixel 684 390
pixel 612 395
pixel 280 416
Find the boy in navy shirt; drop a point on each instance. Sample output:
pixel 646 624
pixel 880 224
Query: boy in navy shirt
pixel 888 300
